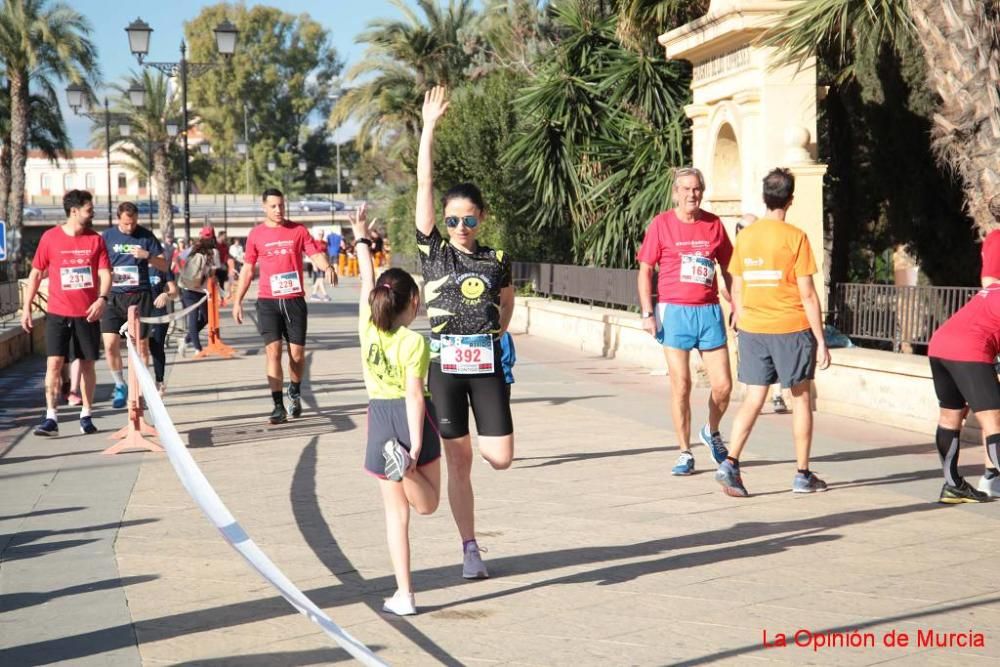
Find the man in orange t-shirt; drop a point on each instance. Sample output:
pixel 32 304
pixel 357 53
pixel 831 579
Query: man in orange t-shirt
pixel 777 313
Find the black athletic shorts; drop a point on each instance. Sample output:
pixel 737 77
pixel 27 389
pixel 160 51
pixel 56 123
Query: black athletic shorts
pixel 387 420
pixel 488 394
pixel 961 383
pixel 282 319
pixel 116 311
pixel 72 338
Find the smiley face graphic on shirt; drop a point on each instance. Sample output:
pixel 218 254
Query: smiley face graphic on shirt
pixel 473 287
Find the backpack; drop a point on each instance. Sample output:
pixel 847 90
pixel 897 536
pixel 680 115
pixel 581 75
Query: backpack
pixel 193 274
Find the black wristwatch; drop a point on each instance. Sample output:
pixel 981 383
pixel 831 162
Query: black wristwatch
pixel 367 242
pixel 647 313
pixel 103 296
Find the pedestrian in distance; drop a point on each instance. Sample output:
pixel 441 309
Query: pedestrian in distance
pixel 404 450
pixel 777 313
pixel 199 268
pixel 689 246
pixel 79 284
pixel 470 301
pixel 278 244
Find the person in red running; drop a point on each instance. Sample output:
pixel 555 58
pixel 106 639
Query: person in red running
pixel 989 483
pixel 278 245
pixel 79 283
pixel 961 355
pixel 688 245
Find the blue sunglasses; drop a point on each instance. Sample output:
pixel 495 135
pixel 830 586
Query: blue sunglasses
pixel 470 221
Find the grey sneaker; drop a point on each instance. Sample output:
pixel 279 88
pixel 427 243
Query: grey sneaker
pixel 714 443
pixel 810 484
pixel 473 566
pixel 397 460
pixel 779 405
pixel 990 486
pixel 728 475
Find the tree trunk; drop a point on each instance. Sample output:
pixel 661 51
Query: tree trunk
pixel 18 82
pixel 962 47
pixel 4 176
pixel 163 191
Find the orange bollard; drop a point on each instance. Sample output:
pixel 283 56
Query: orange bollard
pixel 342 264
pixel 131 435
pixel 215 344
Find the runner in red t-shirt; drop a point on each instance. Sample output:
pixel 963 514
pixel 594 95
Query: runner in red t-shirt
pixel 961 353
pixel 79 282
pixel 689 245
pixel 278 245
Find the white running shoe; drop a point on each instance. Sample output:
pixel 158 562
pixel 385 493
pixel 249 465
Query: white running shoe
pixel 181 348
pixel 990 486
pixel 473 566
pixel 400 604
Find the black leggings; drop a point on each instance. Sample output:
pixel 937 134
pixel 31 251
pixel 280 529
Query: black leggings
pixel 157 349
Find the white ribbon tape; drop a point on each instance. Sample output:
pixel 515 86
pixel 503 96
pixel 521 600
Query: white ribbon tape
pixel 208 500
pixel 170 317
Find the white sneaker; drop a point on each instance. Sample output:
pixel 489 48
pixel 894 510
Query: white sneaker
pixel 161 388
pixel 401 604
pixel 473 566
pixel 181 347
pixel 990 487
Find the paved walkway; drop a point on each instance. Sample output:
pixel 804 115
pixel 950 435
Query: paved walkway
pixel 598 555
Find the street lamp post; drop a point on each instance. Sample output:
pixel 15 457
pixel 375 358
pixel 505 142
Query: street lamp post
pixel 75 95
pixel 139 33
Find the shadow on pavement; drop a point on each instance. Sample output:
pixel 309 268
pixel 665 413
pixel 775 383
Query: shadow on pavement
pixel 798 532
pixel 577 458
pixel 19 545
pixel 59 510
pixel 12 601
pixel 319 656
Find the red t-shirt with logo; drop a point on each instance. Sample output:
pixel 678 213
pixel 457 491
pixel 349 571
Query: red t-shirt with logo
pixel 686 254
pixel 991 255
pixel 278 250
pixel 973 333
pixel 72 263
pixel 223 249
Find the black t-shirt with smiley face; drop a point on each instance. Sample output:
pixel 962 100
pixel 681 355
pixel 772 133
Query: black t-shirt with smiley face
pixel 462 290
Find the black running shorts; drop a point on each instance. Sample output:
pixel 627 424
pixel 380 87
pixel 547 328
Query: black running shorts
pixel 961 383
pixel 386 421
pixel 279 319
pixel 72 338
pixel 788 358
pixel 116 310
pixel 489 396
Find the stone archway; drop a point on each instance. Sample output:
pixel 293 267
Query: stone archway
pixel 751 112
pixel 726 173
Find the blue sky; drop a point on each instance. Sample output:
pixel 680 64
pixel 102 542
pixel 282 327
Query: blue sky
pixel 343 18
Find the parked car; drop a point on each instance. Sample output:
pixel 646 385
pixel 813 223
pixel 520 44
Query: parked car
pixel 319 205
pixel 144 207
pixel 33 212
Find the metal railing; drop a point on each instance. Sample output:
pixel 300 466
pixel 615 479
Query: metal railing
pixel 891 315
pixel 587 284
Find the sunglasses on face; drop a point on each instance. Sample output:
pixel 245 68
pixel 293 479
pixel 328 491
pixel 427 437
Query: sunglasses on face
pixel 470 221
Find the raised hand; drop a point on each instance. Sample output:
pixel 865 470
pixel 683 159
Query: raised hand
pixel 360 222
pixel 435 104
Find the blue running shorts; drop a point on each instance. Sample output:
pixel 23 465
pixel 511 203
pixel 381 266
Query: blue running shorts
pixel 690 327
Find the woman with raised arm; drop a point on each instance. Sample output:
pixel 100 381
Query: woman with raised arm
pixel 404 450
pixel 470 301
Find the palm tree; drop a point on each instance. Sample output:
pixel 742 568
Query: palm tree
pixel 602 127
pixel 39 41
pixel 47 133
pixel 961 47
pixel 148 137
pixel 404 57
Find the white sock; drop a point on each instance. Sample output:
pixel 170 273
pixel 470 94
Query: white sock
pixel 85 412
pixel 117 375
pixel 50 414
